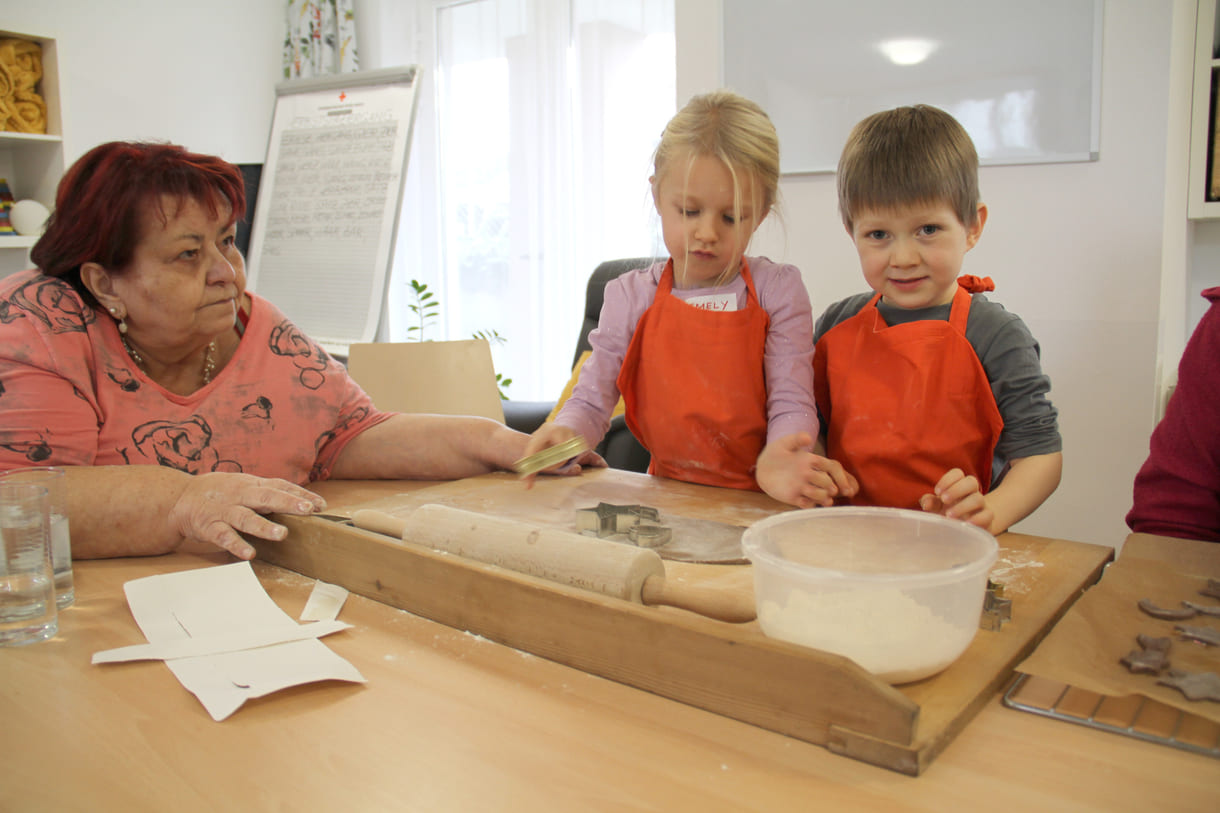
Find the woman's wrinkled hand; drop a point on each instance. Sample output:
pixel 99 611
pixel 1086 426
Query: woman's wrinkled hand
pixel 219 507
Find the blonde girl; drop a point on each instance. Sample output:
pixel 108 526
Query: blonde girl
pixel 710 350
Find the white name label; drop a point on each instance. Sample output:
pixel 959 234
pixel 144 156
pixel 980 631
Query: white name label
pixel 715 302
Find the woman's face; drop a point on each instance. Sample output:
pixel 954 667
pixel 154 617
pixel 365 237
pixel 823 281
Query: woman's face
pixel 186 279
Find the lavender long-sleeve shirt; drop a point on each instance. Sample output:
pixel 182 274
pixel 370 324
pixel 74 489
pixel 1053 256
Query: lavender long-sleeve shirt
pixel 787 359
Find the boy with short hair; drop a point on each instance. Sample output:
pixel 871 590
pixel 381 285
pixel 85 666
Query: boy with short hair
pixel 930 394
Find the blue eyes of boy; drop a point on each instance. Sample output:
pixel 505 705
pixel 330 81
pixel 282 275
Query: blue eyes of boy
pixel 926 230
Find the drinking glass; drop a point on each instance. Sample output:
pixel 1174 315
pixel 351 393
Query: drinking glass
pixel 55 481
pixel 27 580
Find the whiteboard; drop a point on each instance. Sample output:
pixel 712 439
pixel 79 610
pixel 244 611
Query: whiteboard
pixel 330 195
pixel 1023 78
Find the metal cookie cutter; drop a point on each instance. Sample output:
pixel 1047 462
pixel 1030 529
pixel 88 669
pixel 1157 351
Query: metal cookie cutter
pixel 641 523
pixel 600 521
pixel 996 609
pixel 647 535
pixel 549 457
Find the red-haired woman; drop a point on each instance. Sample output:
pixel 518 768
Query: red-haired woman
pixel 183 406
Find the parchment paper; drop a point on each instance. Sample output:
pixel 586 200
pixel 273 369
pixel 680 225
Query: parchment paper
pixel 228 601
pixel 1086 646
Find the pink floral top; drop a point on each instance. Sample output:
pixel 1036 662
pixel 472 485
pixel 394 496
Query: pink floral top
pixel 70 395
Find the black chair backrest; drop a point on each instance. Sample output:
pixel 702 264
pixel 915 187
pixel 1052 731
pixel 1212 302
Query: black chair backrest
pixel 595 293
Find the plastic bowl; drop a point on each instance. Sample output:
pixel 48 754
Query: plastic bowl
pixel 897 591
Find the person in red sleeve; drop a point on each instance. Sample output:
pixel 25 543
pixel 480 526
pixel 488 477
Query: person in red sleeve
pixel 930 394
pixel 181 405
pixel 1177 490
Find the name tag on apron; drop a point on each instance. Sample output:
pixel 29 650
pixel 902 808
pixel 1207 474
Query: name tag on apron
pixel 714 302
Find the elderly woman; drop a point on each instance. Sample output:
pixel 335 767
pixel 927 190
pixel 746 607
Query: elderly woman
pixel 182 405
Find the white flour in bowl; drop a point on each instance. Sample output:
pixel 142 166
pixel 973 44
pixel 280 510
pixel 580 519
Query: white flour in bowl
pixel 885 631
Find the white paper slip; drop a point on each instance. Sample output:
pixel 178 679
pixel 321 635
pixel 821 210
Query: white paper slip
pixel 325 602
pixel 224 603
pixel 216 644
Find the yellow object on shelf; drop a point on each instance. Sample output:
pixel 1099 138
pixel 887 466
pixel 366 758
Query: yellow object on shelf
pixel 22 109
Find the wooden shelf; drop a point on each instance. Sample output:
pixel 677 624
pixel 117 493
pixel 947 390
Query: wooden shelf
pixel 16 140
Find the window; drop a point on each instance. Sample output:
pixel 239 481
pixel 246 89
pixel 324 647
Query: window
pixel 530 166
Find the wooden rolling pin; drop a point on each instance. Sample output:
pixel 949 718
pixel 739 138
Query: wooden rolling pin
pixel 599 565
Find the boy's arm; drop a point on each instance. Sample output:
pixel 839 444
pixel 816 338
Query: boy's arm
pixel 1026 485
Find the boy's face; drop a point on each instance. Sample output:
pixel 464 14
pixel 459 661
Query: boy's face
pixel 703 230
pixel 913 255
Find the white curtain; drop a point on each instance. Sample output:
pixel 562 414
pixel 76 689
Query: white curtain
pixel 529 163
pixel 320 39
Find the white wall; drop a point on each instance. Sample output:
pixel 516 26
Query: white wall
pixel 200 75
pixel 1205 267
pixel 1075 250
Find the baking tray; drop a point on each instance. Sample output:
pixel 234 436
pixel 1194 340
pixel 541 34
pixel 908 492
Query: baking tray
pixel 1133 716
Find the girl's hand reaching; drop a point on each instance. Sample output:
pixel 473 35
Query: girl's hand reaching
pixel 958 496
pixel 552 434
pixel 790 473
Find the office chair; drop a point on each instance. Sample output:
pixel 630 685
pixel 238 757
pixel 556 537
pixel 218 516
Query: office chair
pixel 619 447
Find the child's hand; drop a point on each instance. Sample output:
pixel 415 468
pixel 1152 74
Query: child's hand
pixel 957 496
pixel 551 434
pixel 790 473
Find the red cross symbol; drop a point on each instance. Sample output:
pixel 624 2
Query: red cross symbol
pixel 342 96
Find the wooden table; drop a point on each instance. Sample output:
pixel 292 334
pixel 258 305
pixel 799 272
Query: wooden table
pixel 450 721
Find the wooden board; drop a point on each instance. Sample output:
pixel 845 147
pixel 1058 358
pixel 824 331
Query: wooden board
pixel 553 502
pixel 731 669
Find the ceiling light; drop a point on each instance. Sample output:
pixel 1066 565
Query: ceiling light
pixel 908 51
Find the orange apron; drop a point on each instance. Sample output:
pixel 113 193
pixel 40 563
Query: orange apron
pixel 914 403
pixel 693 384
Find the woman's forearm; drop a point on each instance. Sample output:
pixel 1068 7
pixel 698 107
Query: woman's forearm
pixel 123 510
pixel 148 510
pixel 429 447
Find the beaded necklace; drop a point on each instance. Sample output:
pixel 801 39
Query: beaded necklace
pixel 209 359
